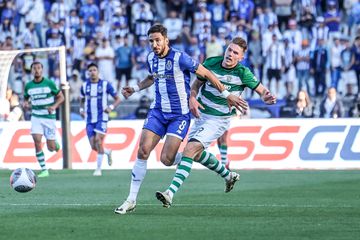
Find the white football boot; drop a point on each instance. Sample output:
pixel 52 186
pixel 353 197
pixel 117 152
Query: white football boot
pixel 229 184
pixel 164 197
pixel 126 207
pixel 97 172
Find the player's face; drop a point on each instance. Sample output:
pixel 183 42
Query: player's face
pixel 159 44
pixel 37 70
pixel 233 55
pixel 93 72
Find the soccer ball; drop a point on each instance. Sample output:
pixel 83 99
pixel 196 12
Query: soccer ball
pixel 23 180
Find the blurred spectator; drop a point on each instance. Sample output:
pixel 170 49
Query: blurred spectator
pixel 289 75
pixel 275 55
pixel 332 17
pixel 302 58
pixel 356 61
pixel 143 20
pixel 331 106
pixel 78 44
pixel 307 21
pixel 123 63
pixel 348 75
pixel 255 55
pixel 90 9
pixel 73 21
pixel 174 26
pixel 5 105
pixel 108 8
pixel 304 106
pixel 354 110
pixel 319 31
pixel 219 14
pixel 8 44
pixel 294 35
pixel 335 62
pixel 213 47
pixel 202 18
pixel 28 37
pixel 245 10
pixel 16 112
pixel 139 59
pixel 282 9
pixel 319 64
pixel 58 11
pixel 143 108
pixel 27 59
pixel 105 56
pixel 7 29
pixel 75 83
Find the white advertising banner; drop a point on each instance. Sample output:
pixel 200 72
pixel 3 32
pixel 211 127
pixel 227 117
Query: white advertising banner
pixel 252 144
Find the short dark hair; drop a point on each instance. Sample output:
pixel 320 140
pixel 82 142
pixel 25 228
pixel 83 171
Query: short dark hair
pixel 157 28
pixel 36 63
pixel 92 65
pixel 240 42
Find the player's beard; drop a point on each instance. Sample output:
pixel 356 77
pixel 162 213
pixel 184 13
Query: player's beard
pixel 161 52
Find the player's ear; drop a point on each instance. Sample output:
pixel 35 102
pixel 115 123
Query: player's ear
pixel 166 40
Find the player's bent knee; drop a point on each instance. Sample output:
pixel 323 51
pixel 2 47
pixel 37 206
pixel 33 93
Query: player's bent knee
pixel 143 152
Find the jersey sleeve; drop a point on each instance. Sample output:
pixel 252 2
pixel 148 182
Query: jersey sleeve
pixel 111 90
pixel 187 63
pixel 82 90
pixel 54 89
pixel 249 79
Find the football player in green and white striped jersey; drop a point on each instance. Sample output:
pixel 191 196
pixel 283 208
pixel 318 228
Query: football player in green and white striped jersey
pixel 213 115
pixel 45 97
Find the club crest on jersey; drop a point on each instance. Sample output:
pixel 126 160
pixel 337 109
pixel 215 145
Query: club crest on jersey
pixel 168 65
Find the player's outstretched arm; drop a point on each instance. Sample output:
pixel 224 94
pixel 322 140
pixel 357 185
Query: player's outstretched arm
pixel 129 90
pixel 265 95
pixel 232 100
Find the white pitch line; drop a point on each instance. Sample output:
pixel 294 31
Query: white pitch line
pixel 178 205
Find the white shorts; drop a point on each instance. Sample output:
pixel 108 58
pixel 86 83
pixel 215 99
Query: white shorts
pixel 44 126
pixel 207 129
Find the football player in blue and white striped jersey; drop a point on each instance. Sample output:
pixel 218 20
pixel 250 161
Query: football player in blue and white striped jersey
pixel 169 69
pixel 95 92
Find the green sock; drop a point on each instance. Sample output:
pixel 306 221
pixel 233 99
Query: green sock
pixel 57 146
pixel 182 172
pixel 209 160
pixel 41 159
pixel 223 153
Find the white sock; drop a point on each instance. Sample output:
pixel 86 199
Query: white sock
pixel 177 159
pixel 137 176
pixel 99 160
pixel 106 151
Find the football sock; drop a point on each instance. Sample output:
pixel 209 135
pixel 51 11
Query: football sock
pixel 41 159
pixel 209 160
pixel 99 159
pixel 223 153
pixel 182 172
pixel 177 159
pixel 107 151
pixel 57 146
pixel 137 176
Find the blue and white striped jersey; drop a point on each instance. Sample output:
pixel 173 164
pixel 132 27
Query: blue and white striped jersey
pixel 172 81
pixel 96 99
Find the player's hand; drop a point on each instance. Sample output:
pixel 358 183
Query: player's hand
pixel 268 98
pixel 127 91
pixel 51 109
pixel 194 106
pixel 237 102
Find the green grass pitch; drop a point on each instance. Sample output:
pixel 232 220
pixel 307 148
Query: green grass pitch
pixel 263 205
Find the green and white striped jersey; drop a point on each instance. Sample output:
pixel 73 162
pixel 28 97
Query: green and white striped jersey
pixel 235 81
pixel 42 95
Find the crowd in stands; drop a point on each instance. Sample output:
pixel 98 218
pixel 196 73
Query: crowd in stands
pixel 306 51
